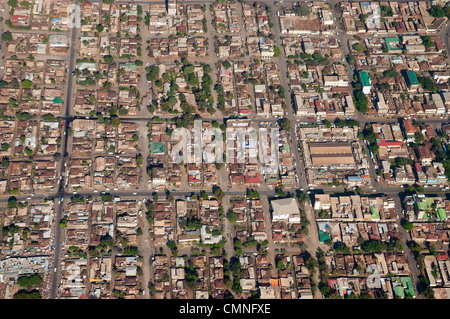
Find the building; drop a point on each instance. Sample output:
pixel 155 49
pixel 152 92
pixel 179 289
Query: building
pixel 412 80
pixel 331 154
pixel 365 82
pixel 285 209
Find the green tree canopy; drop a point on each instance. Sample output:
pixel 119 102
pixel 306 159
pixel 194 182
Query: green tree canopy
pixel 7 36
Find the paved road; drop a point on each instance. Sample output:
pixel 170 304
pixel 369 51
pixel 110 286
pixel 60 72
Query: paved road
pixel 59 214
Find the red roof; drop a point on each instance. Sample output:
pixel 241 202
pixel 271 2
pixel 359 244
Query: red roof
pixel 317 103
pixel 394 143
pixel 244 111
pixel 332 283
pixel 442 256
pixel 418 167
pixel 408 127
pixel 401 27
pixel 430 132
pixel 252 180
pixel 382 142
pixel 192 179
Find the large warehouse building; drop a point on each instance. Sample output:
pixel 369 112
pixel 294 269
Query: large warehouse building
pixel 325 154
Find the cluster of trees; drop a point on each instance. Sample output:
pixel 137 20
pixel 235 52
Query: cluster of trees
pixel 285 124
pixel 11 230
pixel 375 246
pixel 402 161
pixel 361 101
pixel 358 47
pixel 427 42
pixel 427 83
pixel 29 281
pixel 235 268
pixel 386 11
pixel 392 73
pixel 438 11
pixel 7 36
pixel 218 192
pixel 369 135
pixel 191 276
pixel 24 294
pixel 348 122
pixel 106 245
pixel 252 194
pixel 106 197
pixel 302 11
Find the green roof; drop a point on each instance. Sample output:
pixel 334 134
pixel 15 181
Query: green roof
pixel 408 286
pixel 441 214
pixel 375 214
pixel 157 147
pixel 389 40
pixel 323 236
pixel 364 78
pixel 412 78
pixel 399 292
pixel 57 100
pixel 402 286
pixel 131 66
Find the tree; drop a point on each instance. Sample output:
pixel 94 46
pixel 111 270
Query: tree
pixel 5 146
pixel 341 247
pixel 285 124
pixel 153 73
pixel 115 121
pixel 252 194
pixel 7 36
pixel 386 11
pixel 12 202
pixel 106 198
pixel 172 246
pixel 12 3
pixel 232 217
pixel 25 294
pixel 402 161
pixel 302 11
pixel 29 281
pixel 109 59
pixel 26 84
pixel 427 83
pixel 391 73
pixel 276 51
pixel 191 277
pixel 358 47
pixel 361 101
pixel 218 193
pixel 351 59
pixel 437 11
pixel 280 265
pixel 99 28
pixel 418 137
pixel 427 41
